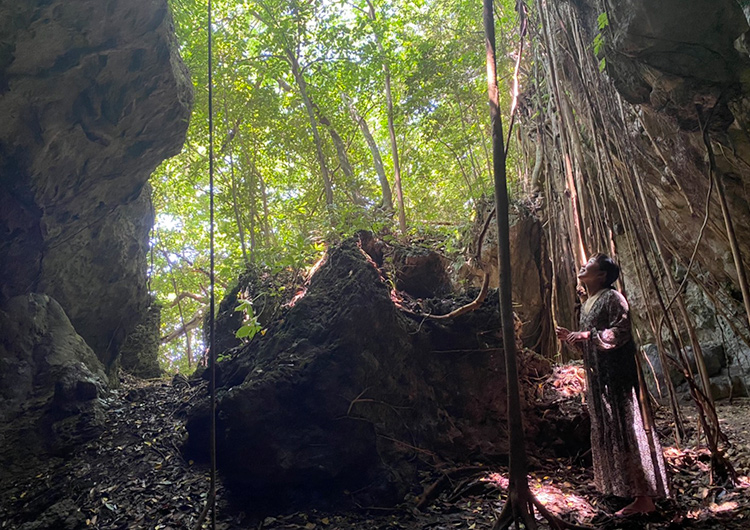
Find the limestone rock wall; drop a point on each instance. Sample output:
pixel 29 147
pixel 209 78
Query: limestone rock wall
pixel 665 72
pixel 139 354
pixel 93 96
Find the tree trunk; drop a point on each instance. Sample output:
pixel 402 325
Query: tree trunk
pixel 302 86
pixel 182 315
pixel 391 126
pixel 346 167
pixel 374 150
pixel 518 467
pixel 266 215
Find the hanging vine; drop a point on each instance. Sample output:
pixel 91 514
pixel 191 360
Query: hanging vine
pixel 595 195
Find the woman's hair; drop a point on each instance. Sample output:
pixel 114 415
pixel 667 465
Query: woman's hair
pixel 610 268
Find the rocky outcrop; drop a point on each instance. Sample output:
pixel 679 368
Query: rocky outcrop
pixel 93 96
pixel 344 392
pixel 674 54
pixel 689 60
pixel 51 384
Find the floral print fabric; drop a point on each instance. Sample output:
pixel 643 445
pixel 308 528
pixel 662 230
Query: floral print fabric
pixel 628 459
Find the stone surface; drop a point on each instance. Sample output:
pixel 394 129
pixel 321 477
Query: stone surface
pixel 655 375
pixel 682 65
pixel 94 96
pixel 50 383
pixel 140 353
pixel 713 355
pixel 686 53
pixel 671 54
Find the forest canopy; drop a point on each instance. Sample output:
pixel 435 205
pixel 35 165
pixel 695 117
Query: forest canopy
pixel 320 108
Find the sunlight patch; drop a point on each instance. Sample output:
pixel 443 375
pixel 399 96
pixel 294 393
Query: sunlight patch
pixel 308 275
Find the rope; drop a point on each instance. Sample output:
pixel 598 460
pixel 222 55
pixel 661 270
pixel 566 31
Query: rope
pixel 211 319
pixel 211 498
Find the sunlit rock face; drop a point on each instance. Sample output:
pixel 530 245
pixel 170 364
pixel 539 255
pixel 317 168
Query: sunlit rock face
pixel 93 97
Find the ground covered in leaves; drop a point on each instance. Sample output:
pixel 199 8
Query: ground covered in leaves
pixel 134 477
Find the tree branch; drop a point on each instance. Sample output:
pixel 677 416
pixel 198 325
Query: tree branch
pixel 189 325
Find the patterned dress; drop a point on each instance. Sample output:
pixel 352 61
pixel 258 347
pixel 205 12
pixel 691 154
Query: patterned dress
pixel 628 459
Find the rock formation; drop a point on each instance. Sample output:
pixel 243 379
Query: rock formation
pixel 666 72
pixel 51 384
pixel 139 354
pixel 346 393
pixel 93 96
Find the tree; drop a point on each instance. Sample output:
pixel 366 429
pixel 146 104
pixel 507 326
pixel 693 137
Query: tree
pixel 389 112
pixel 520 504
pixel 273 205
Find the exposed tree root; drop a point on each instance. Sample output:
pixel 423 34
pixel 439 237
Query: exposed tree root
pixel 431 493
pixel 520 508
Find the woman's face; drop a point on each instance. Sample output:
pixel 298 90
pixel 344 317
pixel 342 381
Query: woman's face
pixel 591 273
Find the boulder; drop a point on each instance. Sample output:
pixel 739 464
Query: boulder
pixel 713 355
pixel 51 383
pixel 345 393
pixel 655 373
pixel 721 387
pixel 725 385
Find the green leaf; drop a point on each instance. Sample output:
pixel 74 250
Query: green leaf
pixel 602 21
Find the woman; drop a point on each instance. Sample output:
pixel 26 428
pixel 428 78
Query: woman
pixel 628 460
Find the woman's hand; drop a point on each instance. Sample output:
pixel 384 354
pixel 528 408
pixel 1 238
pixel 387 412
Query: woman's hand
pixel 572 337
pixel 576 337
pixel 562 333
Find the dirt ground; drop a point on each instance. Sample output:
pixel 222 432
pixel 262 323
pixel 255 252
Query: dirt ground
pixel 134 477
